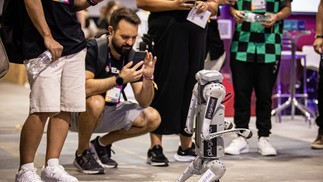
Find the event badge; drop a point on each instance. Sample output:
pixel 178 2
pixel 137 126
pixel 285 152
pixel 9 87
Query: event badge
pixel 113 95
pixel 258 5
pixel 198 19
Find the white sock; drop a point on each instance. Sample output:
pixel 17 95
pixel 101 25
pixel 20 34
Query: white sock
pixel 53 162
pixel 102 145
pixel 28 166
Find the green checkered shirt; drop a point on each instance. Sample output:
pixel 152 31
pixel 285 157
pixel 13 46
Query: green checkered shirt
pixel 252 41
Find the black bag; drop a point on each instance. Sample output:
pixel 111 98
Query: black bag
pixel 11 28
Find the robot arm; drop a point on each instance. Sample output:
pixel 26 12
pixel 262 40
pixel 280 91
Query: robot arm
pixel 214 93
pixel 191 112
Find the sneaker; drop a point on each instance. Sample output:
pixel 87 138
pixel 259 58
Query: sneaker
pixel 27 175
pixel 156 157
pixel 103 154
pixel 318 143
pixel 87 164
pixel 265 148
pixel 186 155
pixel 56 173
pixel 237 146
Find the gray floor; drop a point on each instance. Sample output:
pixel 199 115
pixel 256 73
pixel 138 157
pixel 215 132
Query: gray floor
pixel 295 161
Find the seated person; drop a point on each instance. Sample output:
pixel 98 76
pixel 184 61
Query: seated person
pixel 106 78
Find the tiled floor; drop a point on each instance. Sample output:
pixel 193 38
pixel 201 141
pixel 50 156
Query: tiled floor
pixel 295 161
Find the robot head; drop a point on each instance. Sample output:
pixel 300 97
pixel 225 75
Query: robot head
pixel 205 76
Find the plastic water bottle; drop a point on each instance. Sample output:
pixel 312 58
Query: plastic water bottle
pixel 252 17
pixel 35 66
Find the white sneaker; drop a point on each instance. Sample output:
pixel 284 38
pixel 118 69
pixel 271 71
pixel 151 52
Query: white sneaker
pixel 27 175
pixel 56 173
pixel 237 146
pixel 265 148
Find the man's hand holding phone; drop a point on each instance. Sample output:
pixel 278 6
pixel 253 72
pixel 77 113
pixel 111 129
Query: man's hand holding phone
pixel 136 56
pixel 144 62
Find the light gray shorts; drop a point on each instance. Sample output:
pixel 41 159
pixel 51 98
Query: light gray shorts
pixel 120 116
pixel 61 86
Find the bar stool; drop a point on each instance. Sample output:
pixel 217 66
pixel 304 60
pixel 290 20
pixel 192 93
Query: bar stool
pixel 291 54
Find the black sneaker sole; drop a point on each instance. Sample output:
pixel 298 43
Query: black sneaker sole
pixel 159 164
pixel 84 171
pixel 184 158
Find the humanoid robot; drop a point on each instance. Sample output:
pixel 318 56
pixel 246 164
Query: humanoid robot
pixel 206 114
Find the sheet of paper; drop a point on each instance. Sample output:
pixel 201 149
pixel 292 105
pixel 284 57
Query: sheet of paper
pixel 198 19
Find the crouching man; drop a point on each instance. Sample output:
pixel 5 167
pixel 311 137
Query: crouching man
pixel 106 78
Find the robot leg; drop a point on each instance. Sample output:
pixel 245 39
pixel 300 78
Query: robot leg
pixel 216 170
pixel 194 168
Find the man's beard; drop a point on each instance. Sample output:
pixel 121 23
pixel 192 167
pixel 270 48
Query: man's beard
pixel 122 50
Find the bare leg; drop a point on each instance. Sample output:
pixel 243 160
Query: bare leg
pixel 56 134
pixel 88 121
pixel 186 142
pixel 31 135
pixel 155 139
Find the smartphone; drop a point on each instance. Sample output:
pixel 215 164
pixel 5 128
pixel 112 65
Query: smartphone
pixel 136 56
pixel 261 18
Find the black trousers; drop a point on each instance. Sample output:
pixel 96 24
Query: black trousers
pixel 180 49
pixel 214 43
pixel 260 77
pixel 319 119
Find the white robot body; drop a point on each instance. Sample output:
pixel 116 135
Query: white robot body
pixel 206 119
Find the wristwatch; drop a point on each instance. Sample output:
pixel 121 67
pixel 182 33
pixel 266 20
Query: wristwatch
pixel 119 80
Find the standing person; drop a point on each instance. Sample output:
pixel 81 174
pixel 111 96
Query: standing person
pixel 318 47
pixel 180 48
pixel 59 89
pixel 255 57
pixel 105 76
pixel 215 52
pixel 88 25
pixel 104 20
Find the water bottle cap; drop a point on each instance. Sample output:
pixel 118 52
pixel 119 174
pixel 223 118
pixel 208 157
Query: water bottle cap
pixel 48 54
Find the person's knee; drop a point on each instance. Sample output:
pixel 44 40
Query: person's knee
pixel 153 119
pixel 95 105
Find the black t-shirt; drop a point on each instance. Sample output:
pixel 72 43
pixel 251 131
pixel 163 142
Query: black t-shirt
pixel 108 68
pixel 65 28
pixel 101 69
